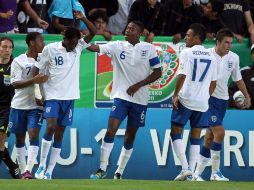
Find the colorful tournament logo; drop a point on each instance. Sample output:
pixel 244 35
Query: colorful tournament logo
pixel 160 91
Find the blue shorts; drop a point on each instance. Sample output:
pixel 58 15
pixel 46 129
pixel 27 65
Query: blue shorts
pixel 22 120
pixel 183 114
pixel 136 112
pixel 217 110
pixel 60 109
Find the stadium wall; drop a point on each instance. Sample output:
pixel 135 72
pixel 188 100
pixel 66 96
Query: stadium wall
pixel 153 157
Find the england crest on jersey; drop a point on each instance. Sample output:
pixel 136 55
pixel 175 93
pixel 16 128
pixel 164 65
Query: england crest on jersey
pixel 144 53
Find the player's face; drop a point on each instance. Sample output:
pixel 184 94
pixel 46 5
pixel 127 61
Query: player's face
pixel 208 10
pixel 39 44
pixel 152 3
pixel 252 55
pixel 225 45
pixel 70 44
pixel 6 49
pixel 100 24
pixel 132 32
pixel 187 3
pixel 189 38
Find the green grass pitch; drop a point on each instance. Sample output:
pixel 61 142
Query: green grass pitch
pixel 86 184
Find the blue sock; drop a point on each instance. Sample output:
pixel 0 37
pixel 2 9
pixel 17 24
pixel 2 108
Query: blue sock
pixel 34 142
pixel 57 144
pixel 109 139
pixel 128 146
pixel 195 141
pixel 175 136
pixel 20 145
pixel 48 137
pixel 205 152
pixel 216 146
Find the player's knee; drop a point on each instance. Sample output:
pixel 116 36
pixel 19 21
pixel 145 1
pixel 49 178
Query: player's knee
pixel 208 142
pixel 111 132
pixel 58 137
pixel 219 134
pixel 50 130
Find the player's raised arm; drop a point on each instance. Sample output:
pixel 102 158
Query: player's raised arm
pixel 90 26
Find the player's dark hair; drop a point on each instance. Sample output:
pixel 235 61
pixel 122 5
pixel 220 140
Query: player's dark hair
pixel 31 37
pixel 7 38
pixel 71 33
pixel 139 24
pixel 224 32
pixel 217 6
pixel 198 30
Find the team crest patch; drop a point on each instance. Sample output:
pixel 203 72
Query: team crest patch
pixel 214 118
pixel 230 65
pixel 70 114
pixel 144 53
pixel 10 124
pixel 48 109
pixel 113 108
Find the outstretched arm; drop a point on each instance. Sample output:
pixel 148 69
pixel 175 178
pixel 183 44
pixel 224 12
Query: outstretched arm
pixel 89 24
pixel 29 10
pixel 94 48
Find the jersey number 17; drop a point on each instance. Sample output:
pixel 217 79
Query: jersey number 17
pixel 201 61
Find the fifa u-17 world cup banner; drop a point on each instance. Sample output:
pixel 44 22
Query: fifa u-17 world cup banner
pixel 160 91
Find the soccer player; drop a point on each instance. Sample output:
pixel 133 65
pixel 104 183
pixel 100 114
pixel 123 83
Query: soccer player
pixel 61 61
pixel 195 82
pixel 6 94
pixel 132 61
pixel 25 114
pixel 228 65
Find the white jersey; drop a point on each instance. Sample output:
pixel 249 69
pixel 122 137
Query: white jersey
pixel 200 68
pixel 62 67
pixel 228 65
pixel 131 64
pixel 21 69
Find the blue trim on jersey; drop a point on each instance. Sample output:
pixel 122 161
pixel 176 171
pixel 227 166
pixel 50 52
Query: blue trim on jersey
pixel 216 146
pixel 154 61
pixel 205 152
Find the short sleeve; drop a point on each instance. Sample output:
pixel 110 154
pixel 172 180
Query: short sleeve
pixel 108 48
pixel 16 71
pixel 153 58
pixel 183 62
pixel 236 74
pixel 43 59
